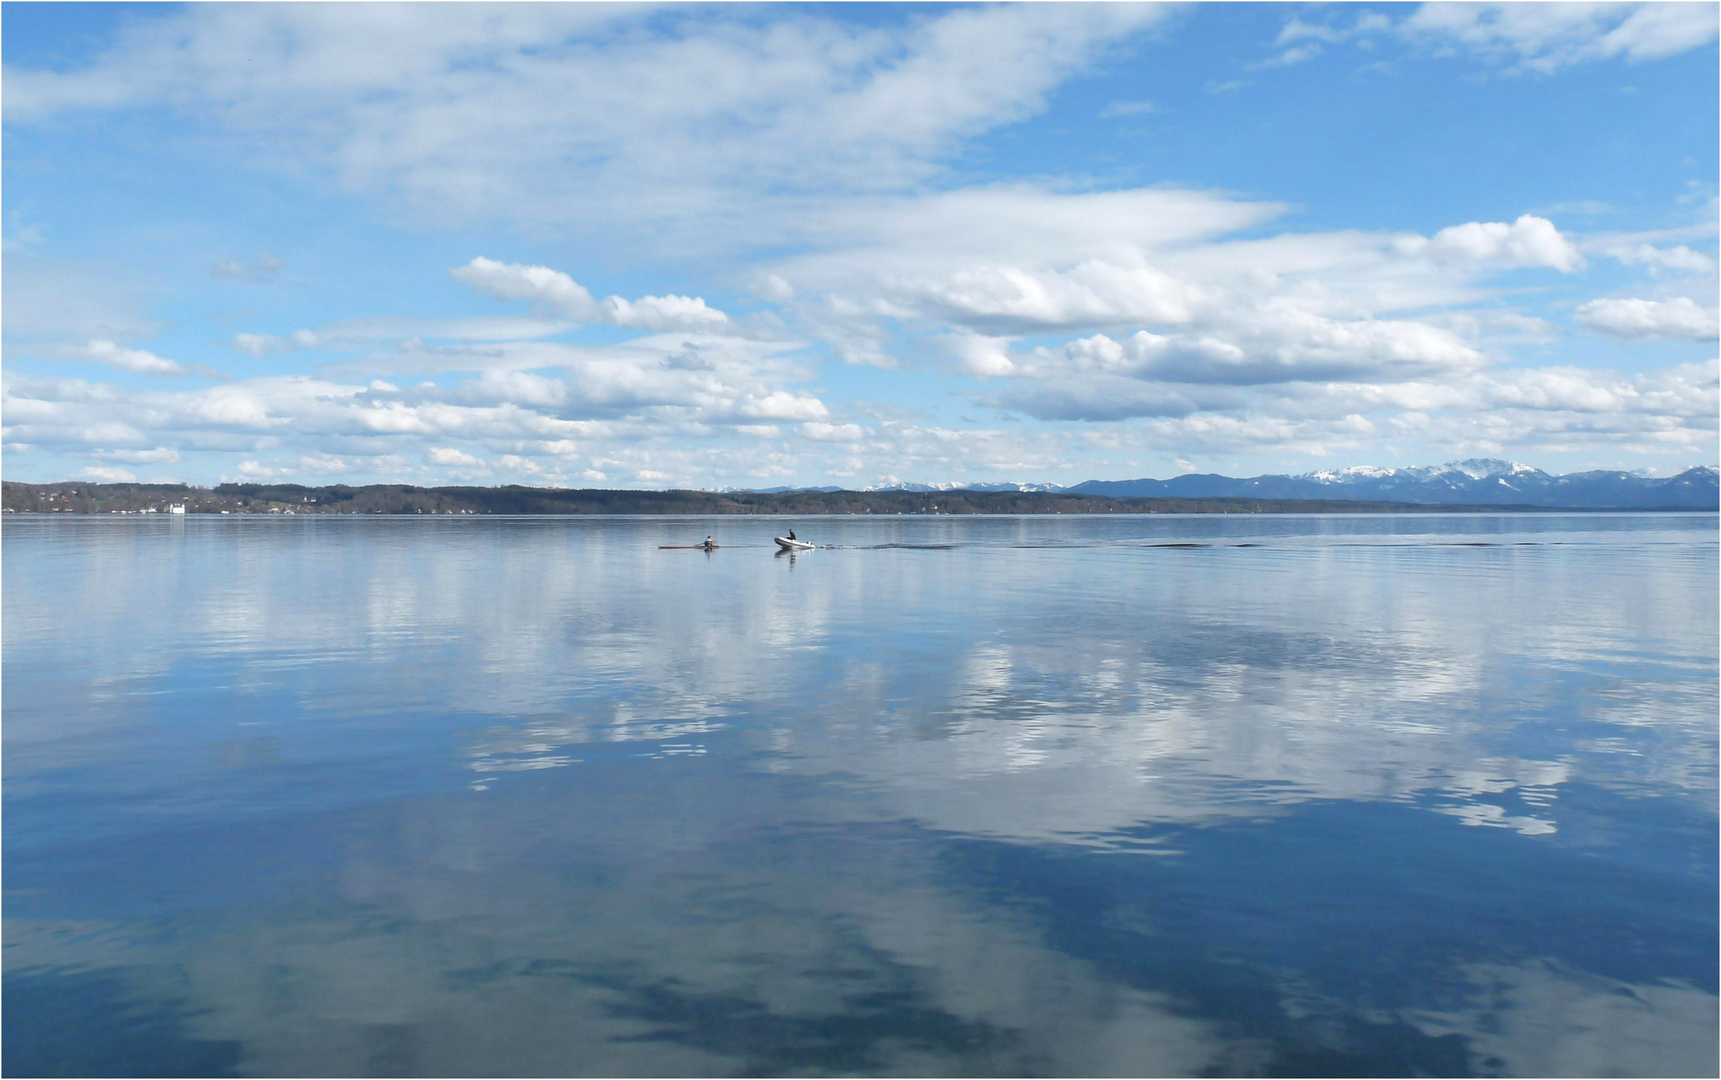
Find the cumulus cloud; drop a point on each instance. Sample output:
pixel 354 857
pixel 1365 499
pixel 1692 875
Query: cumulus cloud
pixel 983 356
pixel 558 291
pixel 531 402
pixel 144 363
pixel 1081 380
pixel 538 284
pixel 1529 241
pixel 448 455
pixel 283 424
pixel 783 405
pixel 662 313
pixel 1681 317
pixel 1282 346
pixel 1020 261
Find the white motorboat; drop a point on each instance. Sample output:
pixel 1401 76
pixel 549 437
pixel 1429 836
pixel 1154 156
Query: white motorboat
pixel 792 545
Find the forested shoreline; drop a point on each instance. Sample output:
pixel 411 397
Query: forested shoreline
pixel 86 498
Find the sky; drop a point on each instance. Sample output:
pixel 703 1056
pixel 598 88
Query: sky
pixel 708 246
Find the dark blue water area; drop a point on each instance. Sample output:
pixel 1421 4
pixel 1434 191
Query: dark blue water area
pixel 1312 796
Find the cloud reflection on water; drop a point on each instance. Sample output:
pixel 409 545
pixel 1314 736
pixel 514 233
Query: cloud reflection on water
pixel 726 810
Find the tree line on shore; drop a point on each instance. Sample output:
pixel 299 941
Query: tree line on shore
pixel 86 498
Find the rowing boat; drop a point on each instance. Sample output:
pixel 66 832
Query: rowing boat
pixel 688 547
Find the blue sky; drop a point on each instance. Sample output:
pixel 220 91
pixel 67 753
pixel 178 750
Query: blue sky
pixel 748 246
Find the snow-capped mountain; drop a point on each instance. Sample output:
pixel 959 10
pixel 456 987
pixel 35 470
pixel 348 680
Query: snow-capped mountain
pixel 1474 468
pixel 1478 481
pixel 1473 482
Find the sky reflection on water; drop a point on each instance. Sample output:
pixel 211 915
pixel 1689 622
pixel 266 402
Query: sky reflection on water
pixel 952 796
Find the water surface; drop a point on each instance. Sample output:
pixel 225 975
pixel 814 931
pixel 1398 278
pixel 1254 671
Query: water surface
pixel 1050 795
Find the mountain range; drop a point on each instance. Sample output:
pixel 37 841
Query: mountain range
pixel 1475 482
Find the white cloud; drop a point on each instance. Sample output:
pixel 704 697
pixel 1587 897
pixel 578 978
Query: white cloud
pixel 104 475
pixel 825 142
pixel 1674 258
pixel 537 284
pixel 1099 377
pixel 782 405
pixel 160 455
pixel 1498 322
pixel 532 400
pixel 257 345
pixel 1546 37
pixel 1541 37
pixel 821 432
pixel 554 289
pixel 1016 261
pixel 1091 293
pixel 1101 399
pixel 983 356
pixel 1009 224
pixel 286 427
pixel 662 313
pixel 1528 242
pixel 144 363
pixel 448 455
pixel 1366 22
pixel 545 114
pixel 1271 347
pixel 1680 317
pixel 370 330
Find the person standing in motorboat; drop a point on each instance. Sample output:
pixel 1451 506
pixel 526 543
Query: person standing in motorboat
pixel 791 534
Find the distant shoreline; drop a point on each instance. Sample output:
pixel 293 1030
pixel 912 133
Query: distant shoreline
pixel 399 499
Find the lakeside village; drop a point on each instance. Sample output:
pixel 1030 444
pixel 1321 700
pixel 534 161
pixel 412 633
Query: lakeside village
pixel 179 508
pixel 292 500
pixel 177 499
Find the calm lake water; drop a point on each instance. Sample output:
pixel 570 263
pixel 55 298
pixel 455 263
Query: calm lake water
pixel 1051 795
